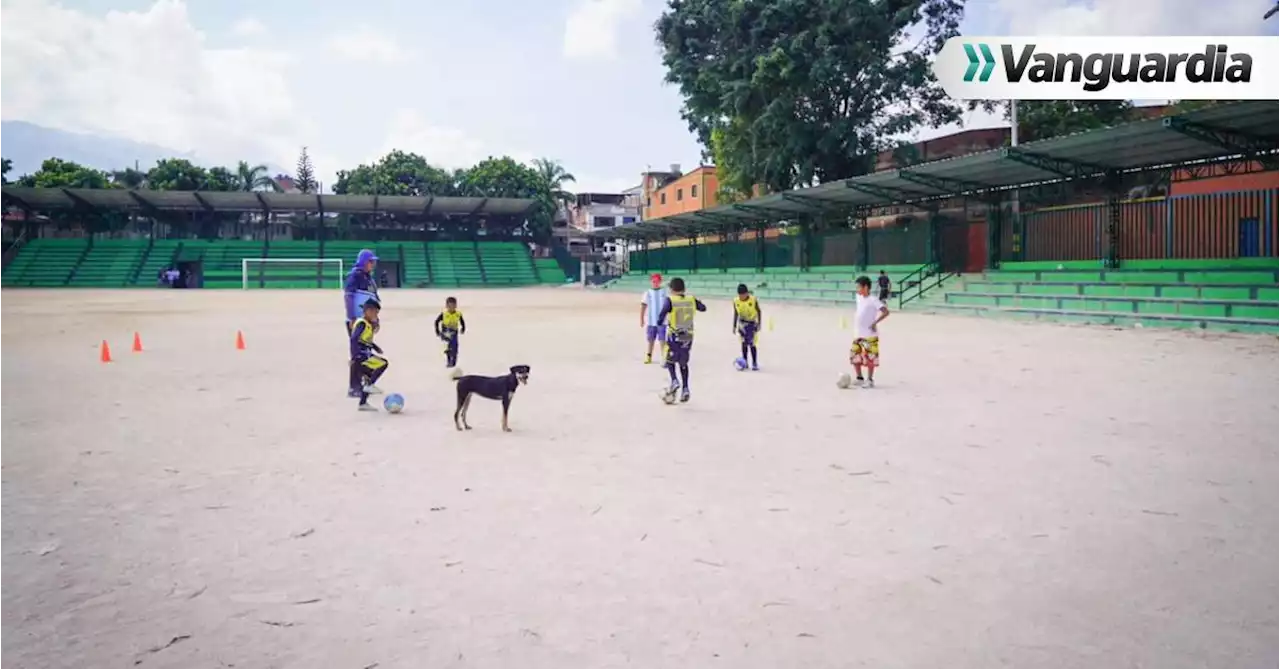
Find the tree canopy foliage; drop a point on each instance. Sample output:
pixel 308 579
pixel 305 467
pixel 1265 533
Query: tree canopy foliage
pixel 787 92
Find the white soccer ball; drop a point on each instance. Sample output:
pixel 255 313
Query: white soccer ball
pixel 844 380
pixel 668 396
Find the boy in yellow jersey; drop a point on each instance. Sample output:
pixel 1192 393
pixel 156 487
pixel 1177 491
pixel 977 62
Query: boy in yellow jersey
pixel 746 323
pixel 367 363
pixel 677 312
pixel 450 324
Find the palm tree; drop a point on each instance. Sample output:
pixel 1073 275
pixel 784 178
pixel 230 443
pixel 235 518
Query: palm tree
pixel 254 178
pixel 554 177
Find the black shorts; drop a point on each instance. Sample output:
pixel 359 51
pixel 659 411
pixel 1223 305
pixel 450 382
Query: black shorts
pixel 884 294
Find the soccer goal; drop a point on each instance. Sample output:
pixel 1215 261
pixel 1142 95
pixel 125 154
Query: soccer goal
pixel 291 273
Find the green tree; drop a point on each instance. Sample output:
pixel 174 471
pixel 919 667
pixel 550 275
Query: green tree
pixel 177 174
pixel 58 173
pixel 504 177
pixel 5 166
pixel 221 179
pixel 805 89
pixel 397 173
pixel 254 177
pixel 304 177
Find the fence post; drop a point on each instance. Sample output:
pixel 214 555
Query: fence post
pixel 665 255
pixel 864 244
pixel 693 245
pixel 1169 204
pixel 806 242
pixel 1268 220
pixel 1112 182
pixel 760 259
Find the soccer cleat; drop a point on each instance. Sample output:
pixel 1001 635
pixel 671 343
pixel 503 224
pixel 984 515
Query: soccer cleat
pixel 871 383
pixel 367 407
pixel 352 392
pixel 648 359
pixel 755 367
pixel 373 390
pixel 858 382
pixel 684 395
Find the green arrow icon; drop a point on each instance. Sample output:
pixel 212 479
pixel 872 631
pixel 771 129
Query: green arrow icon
pixel 988 62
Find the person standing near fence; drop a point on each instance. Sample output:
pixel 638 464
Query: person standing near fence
pixel 359 288
pixel 883 283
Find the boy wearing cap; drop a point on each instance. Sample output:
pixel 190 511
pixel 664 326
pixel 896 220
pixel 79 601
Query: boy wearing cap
pixel 357 289
pixel 367 363
pixel 650 315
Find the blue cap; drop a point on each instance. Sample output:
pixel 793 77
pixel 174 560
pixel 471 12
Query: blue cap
pixel 365 256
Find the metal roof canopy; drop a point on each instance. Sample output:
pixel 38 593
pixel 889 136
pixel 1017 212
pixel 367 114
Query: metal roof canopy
pixel 1224 132
pixel 150 201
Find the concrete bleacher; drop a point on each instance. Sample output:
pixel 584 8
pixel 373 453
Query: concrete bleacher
pixel 822 285
pixel 454 264
pixel 506 264
pixel 1238 295
pixel 109 263
pixel 549 271
pixel 45 262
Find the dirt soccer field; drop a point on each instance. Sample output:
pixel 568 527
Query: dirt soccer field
pixel 1012 494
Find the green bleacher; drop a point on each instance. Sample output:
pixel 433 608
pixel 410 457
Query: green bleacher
pixel 221 266
pixel 454 264
pixel 1238 295
pixel 820 285
pixel 110 263
pixel 549 271
pixel 303 268
pixel 45 262
pixel 160 254
pixel 506 264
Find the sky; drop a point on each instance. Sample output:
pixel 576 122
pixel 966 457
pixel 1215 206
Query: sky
pixel 578 81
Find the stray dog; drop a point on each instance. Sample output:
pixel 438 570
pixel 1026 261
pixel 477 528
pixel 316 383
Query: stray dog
pixel 490 387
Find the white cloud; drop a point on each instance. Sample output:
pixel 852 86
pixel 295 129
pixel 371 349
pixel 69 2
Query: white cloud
pixel 1133 17
pixel 591 31
pixel 248 27
pixel 147 76
pixel 442 146
pixel 366 45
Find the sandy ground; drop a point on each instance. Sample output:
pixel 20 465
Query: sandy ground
pixel 1012 494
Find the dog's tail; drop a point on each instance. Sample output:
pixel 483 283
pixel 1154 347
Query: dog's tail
pixel 456 374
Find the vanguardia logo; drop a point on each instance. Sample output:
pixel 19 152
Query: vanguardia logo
pixel 1098 70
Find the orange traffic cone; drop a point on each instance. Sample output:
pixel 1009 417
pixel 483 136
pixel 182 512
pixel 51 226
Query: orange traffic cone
pixel 137 343
pixel 106 352
pixel 239 340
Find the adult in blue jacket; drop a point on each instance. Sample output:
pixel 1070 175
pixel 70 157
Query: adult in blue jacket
pixel 359 287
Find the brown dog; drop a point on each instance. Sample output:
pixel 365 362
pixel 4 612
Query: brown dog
pixel 490 387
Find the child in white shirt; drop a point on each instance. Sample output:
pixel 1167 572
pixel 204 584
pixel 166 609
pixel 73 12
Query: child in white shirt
pixel 865 351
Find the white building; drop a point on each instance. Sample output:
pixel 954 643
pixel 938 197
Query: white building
pixel 601 211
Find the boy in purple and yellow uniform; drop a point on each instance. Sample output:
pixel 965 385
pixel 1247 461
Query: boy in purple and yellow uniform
pixel 677 312
pixel 367 363
pixel 746 323
pixel 359 287
pixel 449 324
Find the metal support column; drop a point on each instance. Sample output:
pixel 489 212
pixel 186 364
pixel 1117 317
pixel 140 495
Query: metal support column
pixel 724 249
pixel 693 246
pixel 760 259
pixel 806 242
pixel 864 242
pixel 664 253
pixel 1112 183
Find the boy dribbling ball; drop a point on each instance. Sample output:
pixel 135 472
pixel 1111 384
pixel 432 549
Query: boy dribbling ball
pixel 367 363
pixel 865 351
pixel 746 324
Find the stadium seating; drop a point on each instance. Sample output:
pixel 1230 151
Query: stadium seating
pixel 294 274
pixel 454 264
pixel 549 271
pixel 109 263
pixel 506 264
pixel 221 262
pixel 45 262
pixel 1237 295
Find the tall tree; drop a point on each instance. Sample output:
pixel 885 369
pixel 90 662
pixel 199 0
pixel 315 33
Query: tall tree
pixel 805 89
pixel 397 173
pixel 58 173
pixel 504 177
pixel 221 179
pixel 177 174
pixel 554 177
pixel 255 177
pixel 304 177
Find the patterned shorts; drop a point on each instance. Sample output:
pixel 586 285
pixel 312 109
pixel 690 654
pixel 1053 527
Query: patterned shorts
pixel 865 351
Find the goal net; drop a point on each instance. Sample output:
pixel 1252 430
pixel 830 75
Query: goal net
pixel 291 273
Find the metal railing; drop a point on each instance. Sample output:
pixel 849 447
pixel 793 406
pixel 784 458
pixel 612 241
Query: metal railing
pixel 920 281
